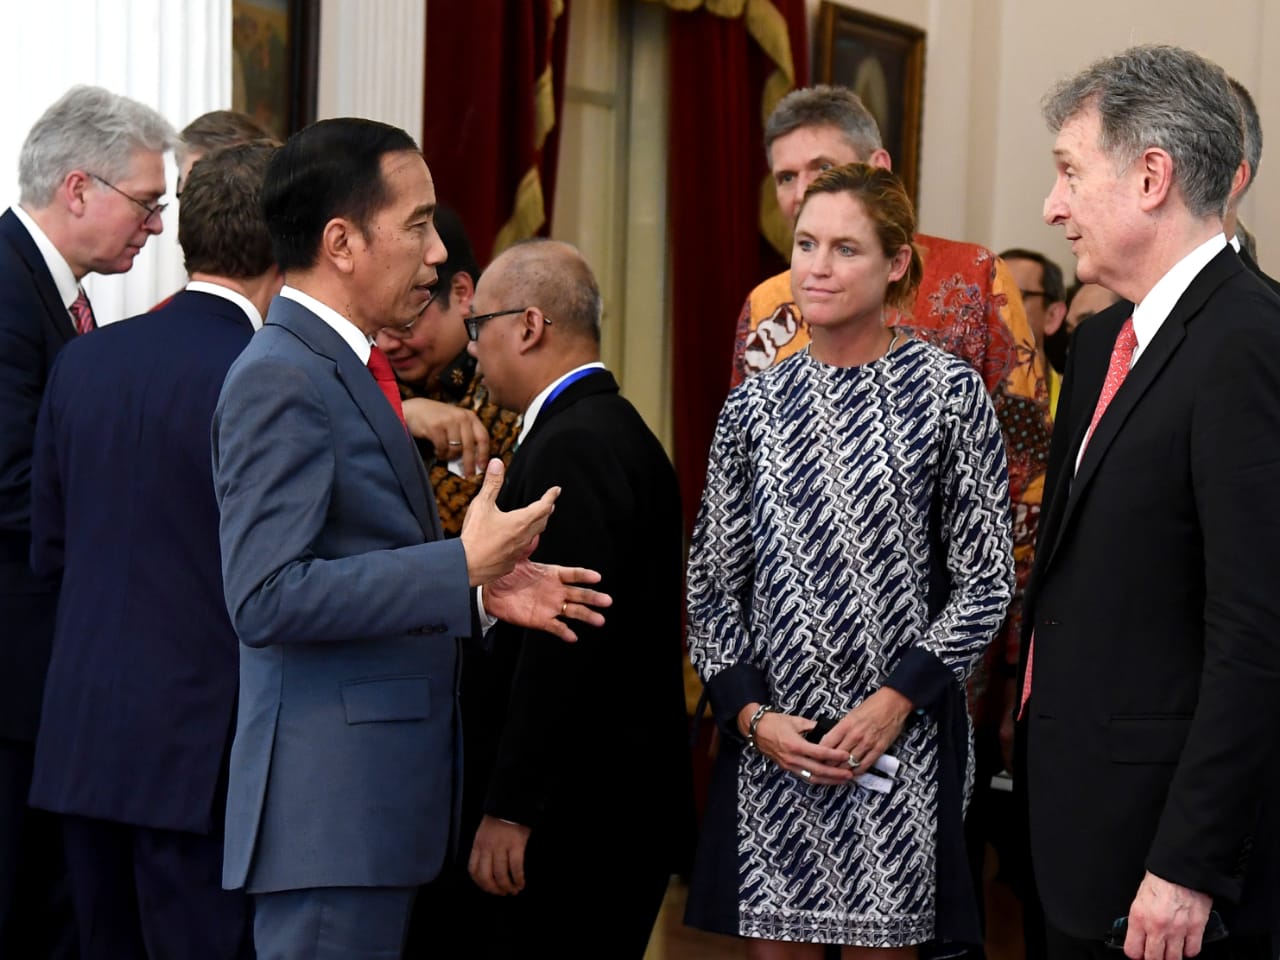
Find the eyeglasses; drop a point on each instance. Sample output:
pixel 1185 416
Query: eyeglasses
pixel 474 322
pixel 152 211
pixel 1033 293
pixel 402 331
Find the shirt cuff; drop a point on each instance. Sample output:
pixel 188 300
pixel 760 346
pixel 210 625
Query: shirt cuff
pixel 487 620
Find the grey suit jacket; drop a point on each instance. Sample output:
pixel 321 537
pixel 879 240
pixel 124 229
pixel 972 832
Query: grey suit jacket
pixel 347 604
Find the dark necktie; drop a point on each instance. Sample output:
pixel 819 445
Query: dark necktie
pixel 1117 370
pixel 380 367
pixel 82 314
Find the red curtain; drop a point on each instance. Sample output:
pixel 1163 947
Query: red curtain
pixel 483 113
pixel 716 165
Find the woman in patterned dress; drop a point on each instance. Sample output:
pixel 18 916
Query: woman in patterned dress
pixel 851 562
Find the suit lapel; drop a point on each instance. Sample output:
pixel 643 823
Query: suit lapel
pixel 372 403
pixel 1145 372
pixel 12 229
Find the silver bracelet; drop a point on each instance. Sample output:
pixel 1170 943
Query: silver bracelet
pixel 755 719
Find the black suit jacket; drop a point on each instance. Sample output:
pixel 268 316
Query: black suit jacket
pixel 587 743
pixel 1272 284
pixel 1154 717
pixel 139 703
pixel 34 325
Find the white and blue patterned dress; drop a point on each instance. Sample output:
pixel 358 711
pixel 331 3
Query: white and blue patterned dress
pixel 831 491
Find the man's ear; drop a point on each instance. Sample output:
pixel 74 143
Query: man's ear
pixel 1240 179
pixel 532 329
pixel 1155 173
pixel 339 242
pixel 880 158
pixel 1053 318
pixel 72 190
pixel 462 289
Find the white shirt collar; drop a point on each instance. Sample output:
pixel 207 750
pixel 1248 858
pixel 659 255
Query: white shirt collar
pixel 352 335
pixel 535 407
pixel 1235 242
pixel 1151 313
pixel 63 278
pixel 239 299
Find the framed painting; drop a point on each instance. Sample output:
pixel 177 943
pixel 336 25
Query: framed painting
pixel 882 61
pixel 275 56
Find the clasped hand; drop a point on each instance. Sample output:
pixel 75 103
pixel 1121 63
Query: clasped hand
pixel 1166 921
pixel 453 431
pixel 540 596
pixel 861 736
pixel 497 856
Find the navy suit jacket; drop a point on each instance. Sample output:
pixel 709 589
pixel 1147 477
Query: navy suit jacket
pixel 1155 701
pixel 34 325
pixel 348 604
pixel 141 689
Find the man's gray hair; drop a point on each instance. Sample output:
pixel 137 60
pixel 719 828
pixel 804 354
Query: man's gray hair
pixel 1166 97
pixel 823 106
pixel 89 129
pixel 1252 125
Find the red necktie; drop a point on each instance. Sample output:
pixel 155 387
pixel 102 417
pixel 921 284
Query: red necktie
pixel 380 367
pixel 82 314
pixel 1117 370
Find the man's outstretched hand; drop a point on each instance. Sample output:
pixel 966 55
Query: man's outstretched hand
pixel 538 595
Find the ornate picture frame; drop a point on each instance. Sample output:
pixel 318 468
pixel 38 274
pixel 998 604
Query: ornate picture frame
pixel 275 48
pixel 882 61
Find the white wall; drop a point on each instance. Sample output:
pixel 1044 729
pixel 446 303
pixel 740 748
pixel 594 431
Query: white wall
pixel 985 162
pixel 175 57
pixel 372 61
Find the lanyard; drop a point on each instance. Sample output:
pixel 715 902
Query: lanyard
pixel 560 387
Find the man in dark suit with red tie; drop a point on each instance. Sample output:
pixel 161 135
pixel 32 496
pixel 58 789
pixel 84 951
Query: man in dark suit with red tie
pixel 91 173
pixel 1151 649
pixel 140 697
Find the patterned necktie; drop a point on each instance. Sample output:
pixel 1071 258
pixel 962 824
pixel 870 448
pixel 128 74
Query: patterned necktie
pixel 1117 370
pixel 82 314
pixel 380 367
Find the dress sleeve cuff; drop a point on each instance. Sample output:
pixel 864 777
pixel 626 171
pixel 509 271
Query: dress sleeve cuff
pixel 732 689
pixel 921 677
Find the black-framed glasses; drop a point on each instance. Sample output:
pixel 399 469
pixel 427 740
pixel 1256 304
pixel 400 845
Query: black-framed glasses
pixel 1214 930
pixel 475 321
pixel 1033 293
pixel 402 331
pixel 153 210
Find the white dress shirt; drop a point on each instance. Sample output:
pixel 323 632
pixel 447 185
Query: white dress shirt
pixel 353 336
pixel 1149 315
pixel 226 293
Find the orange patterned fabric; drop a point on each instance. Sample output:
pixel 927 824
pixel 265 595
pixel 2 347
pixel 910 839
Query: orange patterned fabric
pixel 968 305
pixel 460 386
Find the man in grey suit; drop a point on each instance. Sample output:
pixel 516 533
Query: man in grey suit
pixel 344 595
